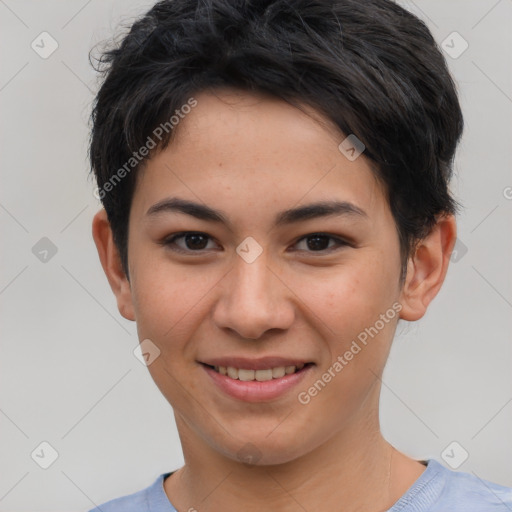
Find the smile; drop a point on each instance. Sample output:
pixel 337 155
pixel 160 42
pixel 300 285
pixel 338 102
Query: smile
pixel 258 375
pixel 272 382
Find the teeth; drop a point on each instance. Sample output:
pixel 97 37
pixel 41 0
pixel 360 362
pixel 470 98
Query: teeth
pixel 245 374
pixel 263 375
pixel 232 372
pixel 278 372
pixel 259 375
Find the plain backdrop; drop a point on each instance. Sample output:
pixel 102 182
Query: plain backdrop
pixel 68 375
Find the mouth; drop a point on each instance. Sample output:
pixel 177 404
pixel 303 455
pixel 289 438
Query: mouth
pixel 260 380
pixel 248 375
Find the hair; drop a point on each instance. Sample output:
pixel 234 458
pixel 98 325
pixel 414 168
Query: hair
pixel 372 68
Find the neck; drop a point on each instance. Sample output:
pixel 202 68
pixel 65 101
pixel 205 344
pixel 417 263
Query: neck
pixel 356 468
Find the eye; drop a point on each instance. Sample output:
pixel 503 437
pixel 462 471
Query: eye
pixel 193 241
pixel 197 242
pixel 319 242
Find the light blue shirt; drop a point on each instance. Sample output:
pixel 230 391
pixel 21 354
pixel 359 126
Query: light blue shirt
pixel 438 489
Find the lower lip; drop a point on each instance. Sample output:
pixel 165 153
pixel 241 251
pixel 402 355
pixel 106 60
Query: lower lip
pixel 255 391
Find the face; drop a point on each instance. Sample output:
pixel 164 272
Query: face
pixel 258 287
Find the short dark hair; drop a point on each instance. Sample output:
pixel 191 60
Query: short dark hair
pixel 371 67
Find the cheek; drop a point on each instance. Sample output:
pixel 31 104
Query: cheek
pixel 350 297
pixel 168 310
pixel 166 296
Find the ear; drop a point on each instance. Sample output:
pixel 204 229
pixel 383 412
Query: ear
pixel 427 267
pixel 111 263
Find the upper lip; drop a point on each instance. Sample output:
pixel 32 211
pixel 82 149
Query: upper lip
pixel 263 363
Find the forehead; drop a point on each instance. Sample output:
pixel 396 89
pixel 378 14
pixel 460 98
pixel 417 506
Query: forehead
pixel 240 124
pixel 246 149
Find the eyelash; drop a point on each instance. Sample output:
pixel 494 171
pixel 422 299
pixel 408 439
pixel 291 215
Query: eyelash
pixel 170 242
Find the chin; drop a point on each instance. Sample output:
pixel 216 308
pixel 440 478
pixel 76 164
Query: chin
pixel 264 450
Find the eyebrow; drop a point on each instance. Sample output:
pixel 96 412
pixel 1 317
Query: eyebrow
pixel 286 217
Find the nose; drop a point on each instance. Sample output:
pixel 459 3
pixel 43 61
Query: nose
pixel 253 299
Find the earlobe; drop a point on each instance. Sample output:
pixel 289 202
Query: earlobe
pixel 427 267
pixel 111 263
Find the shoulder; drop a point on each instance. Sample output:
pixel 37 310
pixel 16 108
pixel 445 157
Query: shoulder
pixel 151 498
pixel 470 493
pixel 440 489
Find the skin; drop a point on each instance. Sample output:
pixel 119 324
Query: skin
pixel 252 156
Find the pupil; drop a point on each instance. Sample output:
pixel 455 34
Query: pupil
pixel 316 244
pixel 195 244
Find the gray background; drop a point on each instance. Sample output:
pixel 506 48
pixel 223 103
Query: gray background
pixel 68 375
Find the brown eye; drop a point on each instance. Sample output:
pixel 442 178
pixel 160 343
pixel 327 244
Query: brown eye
pixel 192 242
pixel 197 242
pixel 319 242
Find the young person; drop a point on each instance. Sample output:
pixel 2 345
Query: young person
pixel 275 182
